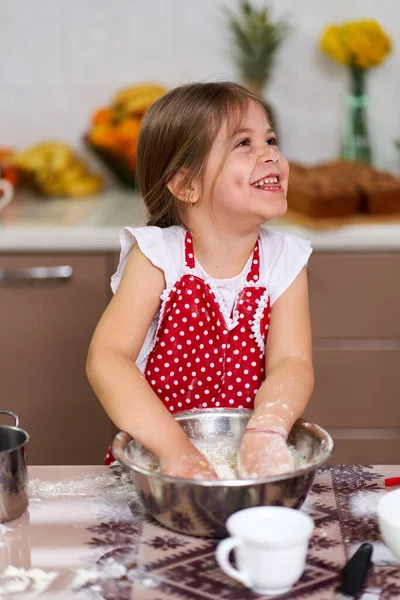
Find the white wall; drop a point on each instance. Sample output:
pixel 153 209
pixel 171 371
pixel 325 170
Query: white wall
pixel 60 59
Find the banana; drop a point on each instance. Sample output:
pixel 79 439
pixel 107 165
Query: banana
pixel 43 177
pixel 48 155
pixel 86 186
pixel 137 90
pixel 30 162
pixel 56 171
pixel 59 158
pixel 74 172
pixel 140 104
pixel 52 187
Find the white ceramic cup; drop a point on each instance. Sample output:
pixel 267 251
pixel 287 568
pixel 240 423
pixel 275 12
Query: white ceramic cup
pixel 270 544
pixel 389 520
pixel 7 192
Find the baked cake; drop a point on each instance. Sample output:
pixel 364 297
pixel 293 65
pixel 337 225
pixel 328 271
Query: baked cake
pixel 322 194
pixel 341 189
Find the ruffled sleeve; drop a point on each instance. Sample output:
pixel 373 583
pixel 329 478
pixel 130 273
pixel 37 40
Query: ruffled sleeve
pixel 290 255
pixel 157 244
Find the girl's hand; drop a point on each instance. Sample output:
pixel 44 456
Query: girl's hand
pixel 189 466
pixel 264 454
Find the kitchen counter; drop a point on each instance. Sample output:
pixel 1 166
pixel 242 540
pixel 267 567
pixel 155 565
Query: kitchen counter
pixel 87 530
pixel 93 225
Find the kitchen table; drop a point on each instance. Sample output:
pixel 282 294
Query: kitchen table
pixel 87 535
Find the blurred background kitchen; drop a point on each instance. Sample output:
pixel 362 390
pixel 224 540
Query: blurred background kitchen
pixel 75 80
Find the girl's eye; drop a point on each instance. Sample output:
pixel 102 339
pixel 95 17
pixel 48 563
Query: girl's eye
pixel 272 141
pixel 244 142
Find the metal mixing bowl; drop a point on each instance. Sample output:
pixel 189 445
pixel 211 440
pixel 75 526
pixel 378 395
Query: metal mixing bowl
pixel 200 507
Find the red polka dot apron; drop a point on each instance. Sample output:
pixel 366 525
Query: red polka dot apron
pixel 203 357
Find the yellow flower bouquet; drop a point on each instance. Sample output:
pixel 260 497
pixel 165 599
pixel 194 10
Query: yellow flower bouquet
pixel 359 45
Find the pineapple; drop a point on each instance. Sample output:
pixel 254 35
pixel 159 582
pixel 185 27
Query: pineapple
pixel 256 41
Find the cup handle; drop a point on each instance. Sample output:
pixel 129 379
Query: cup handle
pixel 8 191
pixel 224 548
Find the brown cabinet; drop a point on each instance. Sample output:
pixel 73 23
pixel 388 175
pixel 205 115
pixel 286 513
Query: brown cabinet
pixel 46 326
pixel 354 300
pixel 355 295
pixel 45 330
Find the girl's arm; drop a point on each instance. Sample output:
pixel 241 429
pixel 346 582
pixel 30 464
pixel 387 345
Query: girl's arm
pixel 289 382
pixel 124 393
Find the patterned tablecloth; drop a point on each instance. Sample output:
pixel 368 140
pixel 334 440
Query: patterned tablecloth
pixel 90 518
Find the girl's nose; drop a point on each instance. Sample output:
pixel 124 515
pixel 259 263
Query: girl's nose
pixel 269 154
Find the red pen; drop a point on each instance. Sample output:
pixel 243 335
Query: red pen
pixel 392 481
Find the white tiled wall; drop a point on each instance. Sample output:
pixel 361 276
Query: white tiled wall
pixel 60 59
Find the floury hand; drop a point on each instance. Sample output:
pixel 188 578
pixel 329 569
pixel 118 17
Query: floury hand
pixel 264 454
pixel 189 466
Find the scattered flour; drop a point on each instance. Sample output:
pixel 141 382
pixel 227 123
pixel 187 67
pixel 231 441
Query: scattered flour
pixel 362 504
pixel 117 490
pixel 105 486
pixel 17 580
pixel 83 577
pixel 112 570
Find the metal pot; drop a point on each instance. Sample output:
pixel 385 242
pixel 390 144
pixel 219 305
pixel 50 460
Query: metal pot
pixel 13 475
pixel 200 508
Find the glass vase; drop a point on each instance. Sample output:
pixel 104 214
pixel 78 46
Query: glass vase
pixel 356 145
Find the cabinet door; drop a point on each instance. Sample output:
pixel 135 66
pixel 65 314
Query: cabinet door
pixel 356 388
pixel 356 400
pixel 355 295
pixel 354 302
pixel 46 329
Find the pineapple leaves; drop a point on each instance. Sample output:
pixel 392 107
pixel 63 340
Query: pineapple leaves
pixel 247 8
pixel 256 40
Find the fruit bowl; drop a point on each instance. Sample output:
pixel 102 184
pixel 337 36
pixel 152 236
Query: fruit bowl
pixel 116 164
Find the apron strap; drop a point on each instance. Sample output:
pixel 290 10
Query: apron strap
pixel 189 252
pixel 254 271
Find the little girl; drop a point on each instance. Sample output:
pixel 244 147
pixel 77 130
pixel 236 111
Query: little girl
pixel 210 309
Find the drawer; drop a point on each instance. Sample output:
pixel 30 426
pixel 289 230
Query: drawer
pixel 356 388
pixel 377 451
pixel 46 329
pixel 355 295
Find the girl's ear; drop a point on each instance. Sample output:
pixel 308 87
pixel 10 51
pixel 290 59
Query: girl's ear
pixel 183 190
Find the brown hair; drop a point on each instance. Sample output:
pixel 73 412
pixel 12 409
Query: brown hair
pixel 177 133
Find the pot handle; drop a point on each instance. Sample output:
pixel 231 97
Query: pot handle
pixel 11 414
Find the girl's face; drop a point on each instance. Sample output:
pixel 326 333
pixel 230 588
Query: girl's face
pixel 252 185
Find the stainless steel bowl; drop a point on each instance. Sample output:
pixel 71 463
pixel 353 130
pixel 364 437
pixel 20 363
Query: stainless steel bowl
pixel 200 508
